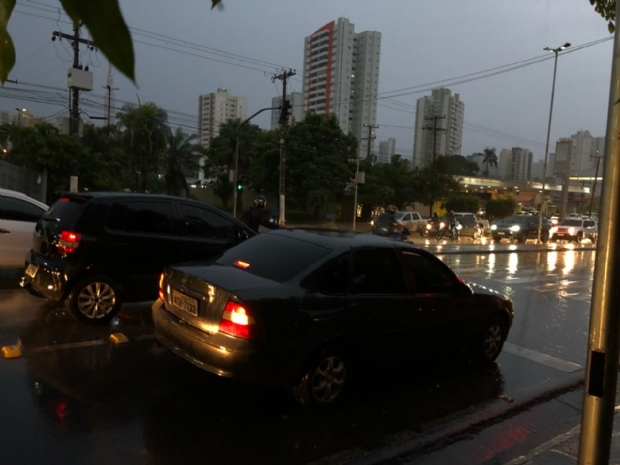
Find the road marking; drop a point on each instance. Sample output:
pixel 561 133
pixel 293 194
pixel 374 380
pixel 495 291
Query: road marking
pixel 543 359
pixel 69 345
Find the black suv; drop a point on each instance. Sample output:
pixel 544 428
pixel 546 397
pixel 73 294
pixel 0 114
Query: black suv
pixel 95 251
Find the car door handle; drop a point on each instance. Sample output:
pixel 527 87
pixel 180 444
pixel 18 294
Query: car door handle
pixel 4 231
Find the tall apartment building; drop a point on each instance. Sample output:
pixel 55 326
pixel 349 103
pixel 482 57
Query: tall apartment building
pixel 387 149
pixel 214 109
pixel 443 136
pixel 298 113
pixel 585 149
pixel 5 117
pixel 515 164
pixel 341 76
pixel 564 155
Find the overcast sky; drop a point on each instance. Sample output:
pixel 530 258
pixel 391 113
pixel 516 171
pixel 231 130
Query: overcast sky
pixel 423 41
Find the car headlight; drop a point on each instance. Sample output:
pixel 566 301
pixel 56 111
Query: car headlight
pixel 429 226
pixel 571 231
pixel 493 227
pixel 515 228
pixel 553 230
pixel 554 221
pixel 441 225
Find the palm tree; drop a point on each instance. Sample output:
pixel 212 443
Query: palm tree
pixel 144 134
pixel 182 154
pixel 490 158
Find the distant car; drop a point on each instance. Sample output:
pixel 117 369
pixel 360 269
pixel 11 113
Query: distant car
pixel 472 226
pixel 299 308
pixel 575 229
pixel 413 221
pixel 95 251
pixel 520 228
pixel 18 216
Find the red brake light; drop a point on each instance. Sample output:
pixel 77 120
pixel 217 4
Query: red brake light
pixel 237 322
pixel 68 242
pixel 241 264
pixel 65 199
pixel 161 287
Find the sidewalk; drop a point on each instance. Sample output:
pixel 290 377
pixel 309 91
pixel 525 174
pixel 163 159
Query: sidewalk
pixel 564 448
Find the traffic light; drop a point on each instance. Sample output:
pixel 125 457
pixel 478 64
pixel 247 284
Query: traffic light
pixel 241 183
pixel 285 112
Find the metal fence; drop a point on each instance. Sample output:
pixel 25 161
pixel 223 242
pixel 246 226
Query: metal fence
pixel 16 178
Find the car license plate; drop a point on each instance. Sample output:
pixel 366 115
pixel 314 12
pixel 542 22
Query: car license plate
pixel 561 234
pixel 32 270
pixel 501 233
pixel 184 302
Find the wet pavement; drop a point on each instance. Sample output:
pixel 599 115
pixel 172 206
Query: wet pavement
pixel 74 397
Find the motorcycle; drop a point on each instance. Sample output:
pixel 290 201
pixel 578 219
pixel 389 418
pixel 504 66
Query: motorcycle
pixel 443 229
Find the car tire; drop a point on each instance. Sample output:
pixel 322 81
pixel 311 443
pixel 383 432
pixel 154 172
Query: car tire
pixel 492 340
pixel 544 237
pixel 94 300
pixel 579 238
pixel 323 382
pixel 521 238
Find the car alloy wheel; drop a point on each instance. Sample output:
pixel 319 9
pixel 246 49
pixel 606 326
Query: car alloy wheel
pixel 323 383
pixel 493 340
pixel 94 300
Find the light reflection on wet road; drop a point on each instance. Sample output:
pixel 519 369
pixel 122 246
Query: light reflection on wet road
pixel 138 403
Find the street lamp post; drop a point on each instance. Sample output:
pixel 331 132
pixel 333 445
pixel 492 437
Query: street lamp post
pixel 236 176
pixel 19 115
pixel 556 51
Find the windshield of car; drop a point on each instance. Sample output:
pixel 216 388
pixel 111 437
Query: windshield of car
pixel 520 219
pixel 571 223
pixel 273 256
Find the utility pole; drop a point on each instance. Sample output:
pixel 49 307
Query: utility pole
pixel 74 125
pixel 435 130
pixel 283 76
pixel 599 396
pixel 370 138
pixel 598 161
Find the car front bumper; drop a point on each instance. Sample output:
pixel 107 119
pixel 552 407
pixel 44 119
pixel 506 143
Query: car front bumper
pixel 220 354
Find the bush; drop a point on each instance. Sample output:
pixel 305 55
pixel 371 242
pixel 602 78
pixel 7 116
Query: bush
pixel 462 203
pixel 500 208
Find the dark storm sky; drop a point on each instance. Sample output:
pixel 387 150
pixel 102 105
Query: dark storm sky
pixel 423 41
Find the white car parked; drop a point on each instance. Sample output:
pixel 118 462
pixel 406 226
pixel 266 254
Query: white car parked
pixel 18 216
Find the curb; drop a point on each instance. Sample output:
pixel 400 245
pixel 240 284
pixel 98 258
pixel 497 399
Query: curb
pixel 451 433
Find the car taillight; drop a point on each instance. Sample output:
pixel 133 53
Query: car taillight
pixel 68 242
pixel 237 322
pixel 161 287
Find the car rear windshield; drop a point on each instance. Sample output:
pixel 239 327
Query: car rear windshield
pixel 571 223
pixel 65 210
pixel 272 256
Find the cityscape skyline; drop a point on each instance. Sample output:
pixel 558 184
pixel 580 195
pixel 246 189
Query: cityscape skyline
pixel 495 115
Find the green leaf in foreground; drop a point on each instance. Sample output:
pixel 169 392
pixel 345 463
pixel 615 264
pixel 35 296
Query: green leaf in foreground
pixel 104 20
pixel 7 50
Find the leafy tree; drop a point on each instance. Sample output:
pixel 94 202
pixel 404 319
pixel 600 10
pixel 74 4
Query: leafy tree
pixel 607 9
pixel 458 165
pixel 223 188
pixel 462 203
pixel 490 158
pixel 501 207
pixel 375 193
pixel 263 173
pixel 144 139
pixel 433 182
pixel 319 158
pixel 181 155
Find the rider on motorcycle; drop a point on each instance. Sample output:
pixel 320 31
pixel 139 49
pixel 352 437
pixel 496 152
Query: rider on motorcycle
pixel 255 217
pixel 451 222
pixel 386 223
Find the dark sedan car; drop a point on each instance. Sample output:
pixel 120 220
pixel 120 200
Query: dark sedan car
pixel 520 228
pixel 298 308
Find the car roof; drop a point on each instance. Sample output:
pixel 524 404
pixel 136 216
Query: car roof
pixel 121 194
pixel 338 238
pixel 22 196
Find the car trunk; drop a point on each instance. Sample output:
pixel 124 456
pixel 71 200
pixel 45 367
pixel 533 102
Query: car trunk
pixel 61 216
pixel 197 294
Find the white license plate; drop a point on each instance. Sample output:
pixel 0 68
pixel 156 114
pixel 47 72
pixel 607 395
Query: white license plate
pixel 32 270
pixel 501 233
pixel 184 302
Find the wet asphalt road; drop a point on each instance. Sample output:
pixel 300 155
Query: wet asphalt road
pixel 76 398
